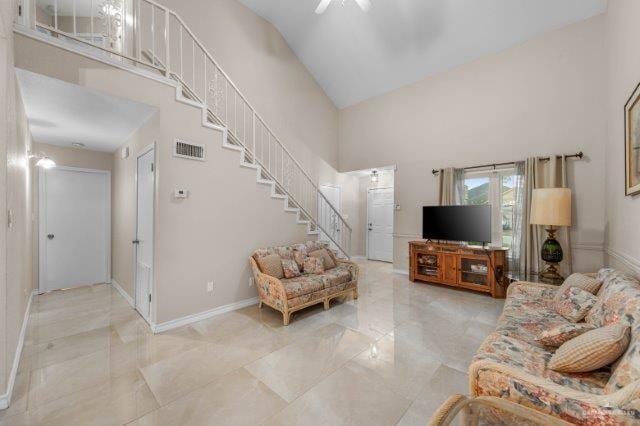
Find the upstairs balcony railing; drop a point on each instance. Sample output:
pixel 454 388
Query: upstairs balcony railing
pixel 149 36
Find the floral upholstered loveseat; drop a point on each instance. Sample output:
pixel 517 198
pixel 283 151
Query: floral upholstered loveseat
pixel 288 295
pixel 511 364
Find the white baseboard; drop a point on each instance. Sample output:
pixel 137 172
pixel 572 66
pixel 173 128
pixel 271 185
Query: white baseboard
pixel 179 322
pixel 630 262
pixel 5 398
pixel 123 293
pixel 400 271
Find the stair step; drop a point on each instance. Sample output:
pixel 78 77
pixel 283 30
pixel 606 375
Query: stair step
pixel 248 165
pixel 233 147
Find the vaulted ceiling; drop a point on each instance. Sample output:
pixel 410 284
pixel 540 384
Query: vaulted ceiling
pixel 355 55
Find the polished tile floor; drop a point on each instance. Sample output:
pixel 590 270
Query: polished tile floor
pixel 390 357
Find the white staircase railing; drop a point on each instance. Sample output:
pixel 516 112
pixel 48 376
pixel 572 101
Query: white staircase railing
pixel 148 35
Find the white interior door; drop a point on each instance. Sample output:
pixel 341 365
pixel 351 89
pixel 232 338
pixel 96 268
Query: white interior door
pixel 328 218
pixel 380 204
pixel 144 231
pixel 75 227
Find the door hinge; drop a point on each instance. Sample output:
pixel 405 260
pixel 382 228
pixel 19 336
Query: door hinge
pixel 19 10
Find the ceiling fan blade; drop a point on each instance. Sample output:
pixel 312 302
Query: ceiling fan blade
pixel 365 5
pixel 322 6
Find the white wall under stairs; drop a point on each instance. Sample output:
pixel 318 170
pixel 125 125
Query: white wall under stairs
pixel 229 213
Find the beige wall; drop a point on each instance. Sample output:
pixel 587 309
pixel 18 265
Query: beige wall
pixel 76 157
pixel 16 262
pixel 623 74
pixel 541 97
pixel 206 237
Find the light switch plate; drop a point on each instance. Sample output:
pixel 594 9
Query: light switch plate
pixel 181 193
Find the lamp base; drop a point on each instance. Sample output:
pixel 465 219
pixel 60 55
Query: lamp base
pixel 551 275
pixel 552 254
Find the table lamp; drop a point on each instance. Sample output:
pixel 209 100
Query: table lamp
pixel 551 207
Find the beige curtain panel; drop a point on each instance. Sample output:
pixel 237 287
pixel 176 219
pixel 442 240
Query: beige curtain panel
pixel 451 192
pixel 541 174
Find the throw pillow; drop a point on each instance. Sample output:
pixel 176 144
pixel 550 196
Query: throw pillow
pixel 325 256
pixel 575 303
pixel 299 257
pixel 313 265
pixel 271 264
pixel 290 268
pixel 582 281
pixel 556 336
pixel 591 350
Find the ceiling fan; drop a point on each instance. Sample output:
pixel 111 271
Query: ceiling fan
pixel 365 5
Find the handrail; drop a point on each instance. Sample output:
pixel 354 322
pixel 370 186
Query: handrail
pixel 240 93
pixel 158 54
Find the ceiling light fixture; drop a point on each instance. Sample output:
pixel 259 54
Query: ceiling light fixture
pixel 46 163
pixel 77 144
pixel 374 176
pixel 365 5
pixel 43 161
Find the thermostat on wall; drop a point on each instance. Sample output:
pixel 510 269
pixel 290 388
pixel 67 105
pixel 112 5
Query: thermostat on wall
pixel 181 193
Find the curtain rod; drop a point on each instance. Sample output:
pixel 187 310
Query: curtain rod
pixel 579 155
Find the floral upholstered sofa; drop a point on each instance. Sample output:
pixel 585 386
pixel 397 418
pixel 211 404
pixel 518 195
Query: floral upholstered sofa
pixel 511 364
pixel 288 295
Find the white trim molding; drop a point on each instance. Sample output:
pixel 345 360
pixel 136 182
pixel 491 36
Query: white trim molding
pixel 123 293
pixel 189 319
pixel 5 398
pixel 588 246
pixel 630 262
pixel 400 271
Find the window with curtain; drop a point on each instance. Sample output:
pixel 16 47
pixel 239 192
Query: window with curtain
pixel 495 188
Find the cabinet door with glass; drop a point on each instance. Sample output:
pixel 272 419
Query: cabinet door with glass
pixel 428 265
pixel 474 271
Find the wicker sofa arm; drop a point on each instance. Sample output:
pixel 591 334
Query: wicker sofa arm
pixel 270 288
pixel 490 378
pixel 353 268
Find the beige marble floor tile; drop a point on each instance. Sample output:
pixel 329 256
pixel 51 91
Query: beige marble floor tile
pixel 351 396
pixel 115 402
pixel 70 347
pixel 176 376
pixel 67 377
pixel 445 381
pixel 292 370
pixel 235 399
pixel 402 367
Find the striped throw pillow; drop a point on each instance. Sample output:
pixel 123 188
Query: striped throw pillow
pixel 271 264
pixel 582 281
pixel 591 350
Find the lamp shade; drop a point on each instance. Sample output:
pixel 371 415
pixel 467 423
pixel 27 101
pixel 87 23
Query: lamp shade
pixel 551 207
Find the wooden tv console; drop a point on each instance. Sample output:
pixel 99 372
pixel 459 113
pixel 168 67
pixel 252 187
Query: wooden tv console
pixel 459 266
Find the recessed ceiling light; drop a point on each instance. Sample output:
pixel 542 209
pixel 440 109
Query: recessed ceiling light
pixel 77 144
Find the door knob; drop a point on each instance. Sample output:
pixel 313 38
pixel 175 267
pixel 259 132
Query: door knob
pixel 136 241
pixel 50 236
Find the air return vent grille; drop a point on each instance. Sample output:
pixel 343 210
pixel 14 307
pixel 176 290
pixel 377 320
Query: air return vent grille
pixel 188 150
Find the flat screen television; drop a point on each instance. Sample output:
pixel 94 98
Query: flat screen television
pixel 457 223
